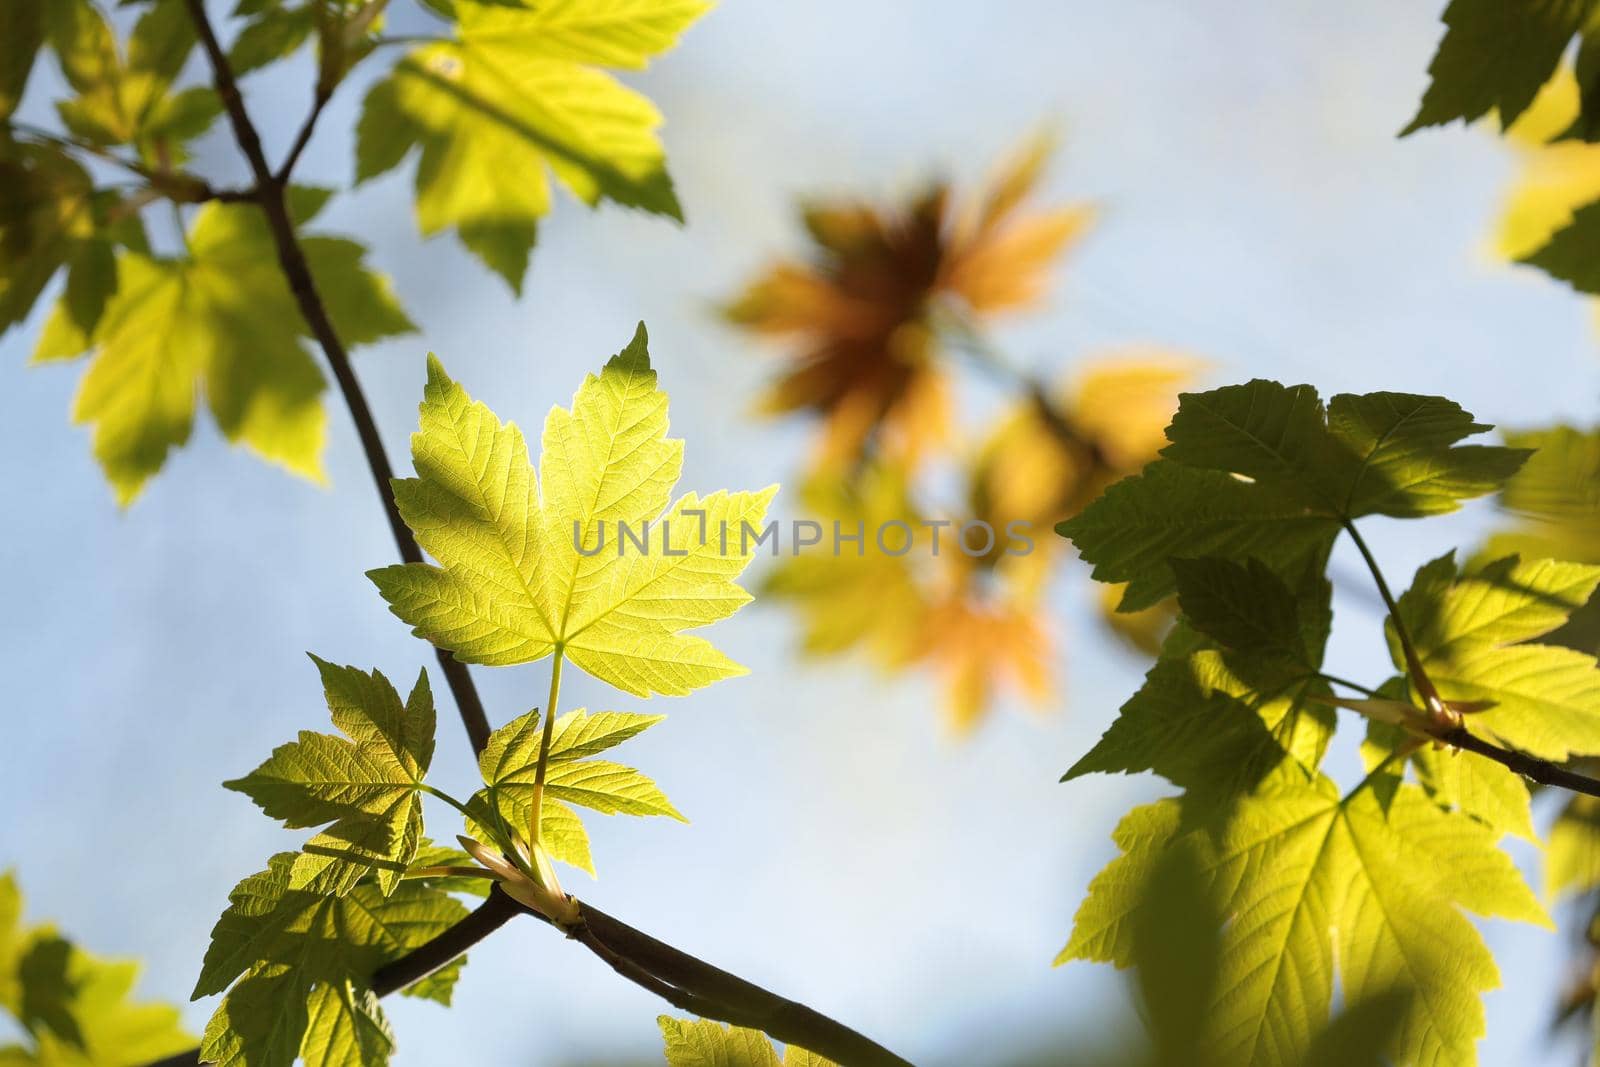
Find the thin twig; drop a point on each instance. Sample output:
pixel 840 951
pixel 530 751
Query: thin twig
pixel 293 261
pixel 177 185
pixel 1419 677
pixel 1531 767
pixel 303 138
pixel 668 972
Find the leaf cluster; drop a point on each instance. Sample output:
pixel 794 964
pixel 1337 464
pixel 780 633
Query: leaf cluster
pixel 1364 887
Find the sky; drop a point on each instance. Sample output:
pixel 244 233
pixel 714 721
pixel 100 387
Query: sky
pixel 1256 211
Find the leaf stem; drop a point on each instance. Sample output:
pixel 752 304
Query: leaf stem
pixel 1357 686
pixel 1419 677
pixel 536 809
pixel 446 797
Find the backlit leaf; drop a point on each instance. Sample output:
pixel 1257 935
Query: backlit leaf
pixel 513 583
pixel 515 97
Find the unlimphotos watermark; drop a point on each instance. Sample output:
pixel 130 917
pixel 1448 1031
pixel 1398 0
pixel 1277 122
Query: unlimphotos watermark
pixel 896 537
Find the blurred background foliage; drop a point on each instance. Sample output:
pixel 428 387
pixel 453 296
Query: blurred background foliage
pixel 878 323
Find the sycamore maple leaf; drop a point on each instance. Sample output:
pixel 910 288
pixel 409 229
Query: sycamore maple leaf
pixel 530 564
pixel 123 96
pixel 72 1007
pixel 366 783
pixel 862 312
pixel 1309 877
pixel 516 95
pixel 1495 56
pixel 509 765
pixel 1265 470
pixel 705 1043
pixel 219 319
pixel 303 960
pixel 1474 634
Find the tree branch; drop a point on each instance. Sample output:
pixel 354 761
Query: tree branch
pixel 674 975
pixel 270 195
pixel 682 980
pixel 303 138
pixel 177 185
pixel 1531 767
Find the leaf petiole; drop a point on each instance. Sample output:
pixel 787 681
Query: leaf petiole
pixel 535 810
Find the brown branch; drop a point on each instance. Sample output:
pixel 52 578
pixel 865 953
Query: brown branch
pixel 674 975
pixel 1531 767
pixel 177 185
pixel 716 994
pixel 270 195
pixel 303 138
pixel 685 981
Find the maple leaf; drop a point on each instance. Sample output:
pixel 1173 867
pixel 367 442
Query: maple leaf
pixel 51 216
pixel 1472 633
pixel 302 960
pixel 124 99
pixel 367 783
pixel 518 95
pixel 1554 505
pixel 1556 175
pixel 22 27
pixel 524 568
pixel 705 1043
pixel 863 311
pixel 1309 877
pixel 1572 853
pixel 1495 56
pixel 1263 470
pixel 509 765
pixel 222 319
pixel 74 1007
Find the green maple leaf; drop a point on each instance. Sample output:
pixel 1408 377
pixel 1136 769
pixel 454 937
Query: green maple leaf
pixel 1248 608
pixel 51 216
pixel 1220 710
pixel 509 764
pixel 75 1008
pixel 513 585
pixel 1263 470
pixel 1176 947
pixel 704 1043
pixel 274 32
pixel 1213 725
pixel 345 1026
pixel 367 783
pixel 221 318
pixel 22 28
pixel 516 96
pixel 288 946
pixel 1471 634
pixel 124 99
pixel 1309 878
pixel 1496 56
pixel 1572 853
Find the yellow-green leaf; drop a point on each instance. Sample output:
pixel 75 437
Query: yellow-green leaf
pixel 512 585
pixel 514 98
pixel 221 320
pixel 1318 887
pixel 706 1043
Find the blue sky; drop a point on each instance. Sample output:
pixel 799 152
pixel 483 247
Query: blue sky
pixel 1257 211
